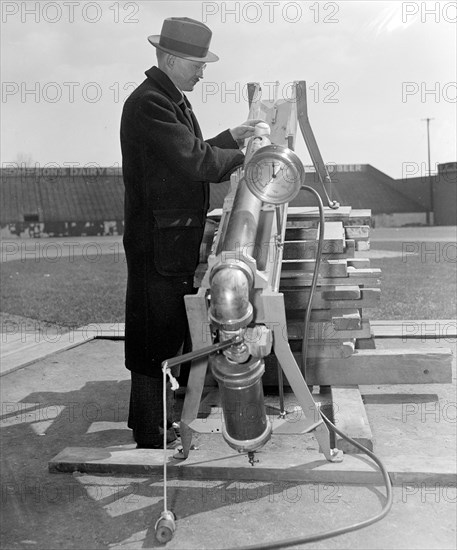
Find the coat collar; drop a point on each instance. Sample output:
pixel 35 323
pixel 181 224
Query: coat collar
pixel 165 84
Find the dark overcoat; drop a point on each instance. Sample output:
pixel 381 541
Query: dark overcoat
pixel 167 167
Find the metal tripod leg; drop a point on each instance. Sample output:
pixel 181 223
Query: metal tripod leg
pixel 192 400
pixel 199 331
pixel 274 306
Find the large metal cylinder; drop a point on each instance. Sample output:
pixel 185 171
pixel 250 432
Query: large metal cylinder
pixel 241 230
pixel 246 426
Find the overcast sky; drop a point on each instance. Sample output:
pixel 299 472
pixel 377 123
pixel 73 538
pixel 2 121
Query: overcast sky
pixel 374 70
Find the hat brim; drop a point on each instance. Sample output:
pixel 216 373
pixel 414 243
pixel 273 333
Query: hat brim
pixel 210 57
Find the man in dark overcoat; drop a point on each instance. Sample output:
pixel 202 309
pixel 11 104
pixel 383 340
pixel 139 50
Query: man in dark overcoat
pixel 167 168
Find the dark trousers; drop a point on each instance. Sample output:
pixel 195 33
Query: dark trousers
pixel 156 328
pixel 146 409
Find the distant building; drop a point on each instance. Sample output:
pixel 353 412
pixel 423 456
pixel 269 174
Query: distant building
pixel 61 201
pixel 437 194
pixel 40 202
pixel 393 203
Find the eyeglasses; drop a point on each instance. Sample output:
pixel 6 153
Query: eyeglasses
pixel 199 67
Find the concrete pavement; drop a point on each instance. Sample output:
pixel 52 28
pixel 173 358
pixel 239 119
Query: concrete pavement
pixel 79 397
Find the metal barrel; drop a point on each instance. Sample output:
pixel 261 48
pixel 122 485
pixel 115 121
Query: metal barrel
pixel 241 230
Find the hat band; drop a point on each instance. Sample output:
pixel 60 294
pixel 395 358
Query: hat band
pixel 182 47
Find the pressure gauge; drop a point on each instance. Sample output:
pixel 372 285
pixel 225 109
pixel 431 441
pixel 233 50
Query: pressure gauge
pixel 274 174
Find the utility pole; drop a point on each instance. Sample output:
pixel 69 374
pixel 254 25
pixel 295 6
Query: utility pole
pixel 430 182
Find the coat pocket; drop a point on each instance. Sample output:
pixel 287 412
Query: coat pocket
pixel 177 237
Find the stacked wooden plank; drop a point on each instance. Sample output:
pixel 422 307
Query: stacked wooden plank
pixel 341 349
pixel 346 285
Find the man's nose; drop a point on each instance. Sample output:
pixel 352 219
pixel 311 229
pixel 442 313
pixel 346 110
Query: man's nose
pixel 200 70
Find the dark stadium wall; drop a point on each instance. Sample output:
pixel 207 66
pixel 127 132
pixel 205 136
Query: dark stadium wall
pixel 443 198
pixel 445 194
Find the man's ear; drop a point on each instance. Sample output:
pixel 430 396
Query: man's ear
pixel 170 61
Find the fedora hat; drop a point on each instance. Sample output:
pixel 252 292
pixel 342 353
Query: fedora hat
pixel 186 38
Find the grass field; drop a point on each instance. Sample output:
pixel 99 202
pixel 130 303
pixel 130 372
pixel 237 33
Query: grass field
pixel 67 293
pixel 73 292
pixel 416 286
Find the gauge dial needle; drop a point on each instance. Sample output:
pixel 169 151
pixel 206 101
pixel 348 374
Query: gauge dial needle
pixel 274 174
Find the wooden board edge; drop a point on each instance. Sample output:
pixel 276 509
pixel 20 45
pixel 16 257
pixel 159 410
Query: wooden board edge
pixel 310 467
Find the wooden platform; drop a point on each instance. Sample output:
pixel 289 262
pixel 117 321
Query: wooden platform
pixel 287 465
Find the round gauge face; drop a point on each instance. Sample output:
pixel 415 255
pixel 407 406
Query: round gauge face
pixel 274 174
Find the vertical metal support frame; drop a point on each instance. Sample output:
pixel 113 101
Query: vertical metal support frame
pixel 274 316
pixel 282 116
pixel 197 315
pixel 274 310
pixel 279 114
pixel 311 143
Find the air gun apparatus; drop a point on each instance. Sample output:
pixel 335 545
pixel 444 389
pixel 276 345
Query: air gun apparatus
pixel 240 289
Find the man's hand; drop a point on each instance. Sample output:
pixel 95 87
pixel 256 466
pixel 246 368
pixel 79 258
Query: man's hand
pixel 244 131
